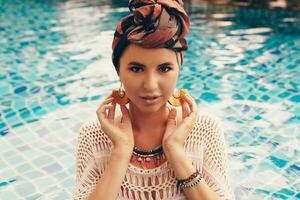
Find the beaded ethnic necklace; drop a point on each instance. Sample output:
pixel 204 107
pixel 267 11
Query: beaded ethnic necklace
pixel 145 157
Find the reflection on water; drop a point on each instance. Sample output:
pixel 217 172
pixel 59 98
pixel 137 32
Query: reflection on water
pixel 55 66
pixel 271 4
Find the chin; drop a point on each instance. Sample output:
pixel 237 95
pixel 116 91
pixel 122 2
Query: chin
pixel 149 109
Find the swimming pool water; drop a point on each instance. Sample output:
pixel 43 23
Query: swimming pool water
pixel 243 66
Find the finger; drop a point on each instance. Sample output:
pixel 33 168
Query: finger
pixel 172 114
pixel 171 121
pixel 193 119
pixel 185 109
pixel 110 95
pixel 104 109
pixel 125 114
pixel 192 104
pixel 190 120
pixel 106 101
pixel 101 114
pixel 111 111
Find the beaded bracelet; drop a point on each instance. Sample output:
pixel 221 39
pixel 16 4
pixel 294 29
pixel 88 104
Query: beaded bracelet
pixel 192 184
pixel 190 181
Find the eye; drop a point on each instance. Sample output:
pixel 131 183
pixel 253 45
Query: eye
pixel 165 68
pixel 136 69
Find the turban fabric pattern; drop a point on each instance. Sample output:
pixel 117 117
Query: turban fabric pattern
pixel 152 24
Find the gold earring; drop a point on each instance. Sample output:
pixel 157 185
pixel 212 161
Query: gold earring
pixel 175 99
pixel 120 96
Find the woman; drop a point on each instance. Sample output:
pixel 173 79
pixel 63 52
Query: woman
pixel 150 151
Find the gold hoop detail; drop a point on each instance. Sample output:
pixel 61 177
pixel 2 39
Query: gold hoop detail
pixel 176 100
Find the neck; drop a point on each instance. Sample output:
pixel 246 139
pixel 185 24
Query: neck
pixel 148 122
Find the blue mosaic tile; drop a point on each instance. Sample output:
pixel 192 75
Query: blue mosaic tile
pixel 2 184
pixel 237 97
pixel 3 132
pixel 257 117
pixel 295 99
pixel 278 162
pixel 287 192
pixel 244 73
pixel 252 97
pixel 207 96
pixel 17 125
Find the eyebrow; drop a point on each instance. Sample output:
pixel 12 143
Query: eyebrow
pixel 142 65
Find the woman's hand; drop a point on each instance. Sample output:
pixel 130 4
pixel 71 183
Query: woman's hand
pixel 119 132
pixel 175 135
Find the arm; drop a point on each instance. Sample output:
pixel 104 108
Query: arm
pixel 215 155
pixel 108 187
pixel 94 183
pixel 121 135
pixel 184 169
pixel 215 183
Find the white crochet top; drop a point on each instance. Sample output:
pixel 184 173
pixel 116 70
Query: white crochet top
pixel 204 146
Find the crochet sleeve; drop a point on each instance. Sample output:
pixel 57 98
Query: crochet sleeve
pixel 215 167
pixel 87 174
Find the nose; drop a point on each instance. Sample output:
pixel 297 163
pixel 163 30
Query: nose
pixel 150 82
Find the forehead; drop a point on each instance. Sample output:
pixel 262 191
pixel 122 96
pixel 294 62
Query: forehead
pixel 148 55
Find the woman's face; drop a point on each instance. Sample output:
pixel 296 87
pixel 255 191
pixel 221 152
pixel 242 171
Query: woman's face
pixel 149 76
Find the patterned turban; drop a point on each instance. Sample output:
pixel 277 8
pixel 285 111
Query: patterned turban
pixel 152 24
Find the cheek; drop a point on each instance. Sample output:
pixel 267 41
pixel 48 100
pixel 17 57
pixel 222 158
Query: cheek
pixel 168 85
pixel 129 86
